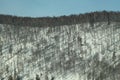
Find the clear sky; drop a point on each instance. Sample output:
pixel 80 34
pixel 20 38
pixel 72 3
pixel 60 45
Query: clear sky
pixel 39 8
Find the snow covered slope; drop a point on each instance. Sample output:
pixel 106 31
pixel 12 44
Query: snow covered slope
pixel 69 52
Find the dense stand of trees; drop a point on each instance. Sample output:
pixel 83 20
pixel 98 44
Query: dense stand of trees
pixel 62 20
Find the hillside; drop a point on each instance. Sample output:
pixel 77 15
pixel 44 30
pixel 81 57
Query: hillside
pixel 76 47
pixel 91 18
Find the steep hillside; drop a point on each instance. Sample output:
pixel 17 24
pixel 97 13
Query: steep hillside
pixel 77 51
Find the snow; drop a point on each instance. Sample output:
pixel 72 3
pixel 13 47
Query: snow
pixel 65 58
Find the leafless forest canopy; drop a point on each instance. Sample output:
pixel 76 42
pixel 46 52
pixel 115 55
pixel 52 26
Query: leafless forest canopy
pixel 61 20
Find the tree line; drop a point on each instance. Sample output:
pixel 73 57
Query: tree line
pixel 61 20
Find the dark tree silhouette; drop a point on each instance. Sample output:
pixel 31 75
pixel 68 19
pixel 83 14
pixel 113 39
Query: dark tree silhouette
pixel 53 78
pixel 10 78
pixel 1 49
pixel 61 20
pixel 18 78
pixel 37 77
pixel 10 49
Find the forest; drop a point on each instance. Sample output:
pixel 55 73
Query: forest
pixel 92 17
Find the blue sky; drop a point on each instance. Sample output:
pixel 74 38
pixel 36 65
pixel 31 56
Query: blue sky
pixel 39 8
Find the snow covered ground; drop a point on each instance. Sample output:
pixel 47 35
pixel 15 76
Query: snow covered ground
pixel 74 52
